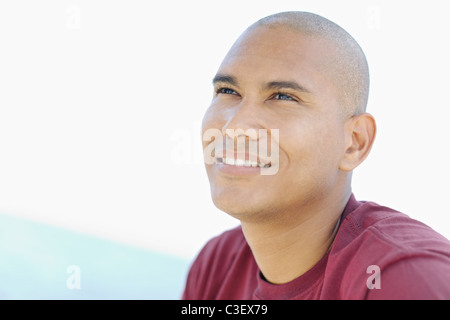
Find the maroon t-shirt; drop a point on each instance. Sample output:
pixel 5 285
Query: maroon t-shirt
pixel 378 253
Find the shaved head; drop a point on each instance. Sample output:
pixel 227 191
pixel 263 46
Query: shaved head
pixel 347 65
pixel 306 80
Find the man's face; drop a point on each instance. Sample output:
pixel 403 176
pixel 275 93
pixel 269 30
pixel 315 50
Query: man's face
pixel 277 79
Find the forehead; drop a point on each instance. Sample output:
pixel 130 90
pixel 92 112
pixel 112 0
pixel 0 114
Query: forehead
pixel 278 53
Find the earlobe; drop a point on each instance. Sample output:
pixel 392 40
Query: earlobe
pixel 360 133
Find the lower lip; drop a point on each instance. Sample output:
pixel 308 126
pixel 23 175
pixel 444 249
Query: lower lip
pixel 238 170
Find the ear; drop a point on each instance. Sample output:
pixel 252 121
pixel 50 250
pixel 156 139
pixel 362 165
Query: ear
pixel 360 131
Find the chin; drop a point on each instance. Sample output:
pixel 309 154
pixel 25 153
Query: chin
pixel 239 206
pixel 233 205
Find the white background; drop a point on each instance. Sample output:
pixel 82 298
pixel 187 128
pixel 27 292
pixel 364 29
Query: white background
pixel 101 103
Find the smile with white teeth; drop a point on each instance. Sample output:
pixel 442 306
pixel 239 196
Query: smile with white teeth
pixel 242 163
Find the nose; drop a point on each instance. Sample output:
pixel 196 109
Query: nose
pixel 242 122
pixel 241 132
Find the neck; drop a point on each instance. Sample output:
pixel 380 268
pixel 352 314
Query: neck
pixel 288 247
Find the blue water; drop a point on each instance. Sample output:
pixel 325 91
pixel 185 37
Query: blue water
pixel 38 261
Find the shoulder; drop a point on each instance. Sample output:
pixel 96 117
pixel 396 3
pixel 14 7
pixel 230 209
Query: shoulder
pixel 221 249
pixel 213 262
pixel 407 258
pixel 393 229
pixel 230 241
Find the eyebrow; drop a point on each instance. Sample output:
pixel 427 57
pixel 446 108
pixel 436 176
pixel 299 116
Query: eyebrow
pixel 273 85
pixel 225 78
pixel 277 85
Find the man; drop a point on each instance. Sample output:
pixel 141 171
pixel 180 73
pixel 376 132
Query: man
pixel 297 85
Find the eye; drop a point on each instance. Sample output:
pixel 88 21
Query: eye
pixel 225 91
pixel 283 96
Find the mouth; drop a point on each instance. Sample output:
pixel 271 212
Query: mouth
pixel 242 163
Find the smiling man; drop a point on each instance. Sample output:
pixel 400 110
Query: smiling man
pixel 296 86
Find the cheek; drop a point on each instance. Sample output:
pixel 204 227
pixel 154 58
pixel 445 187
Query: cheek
pixel 215 116
pixel 210 121
pixel 208 118
pixel 313 145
